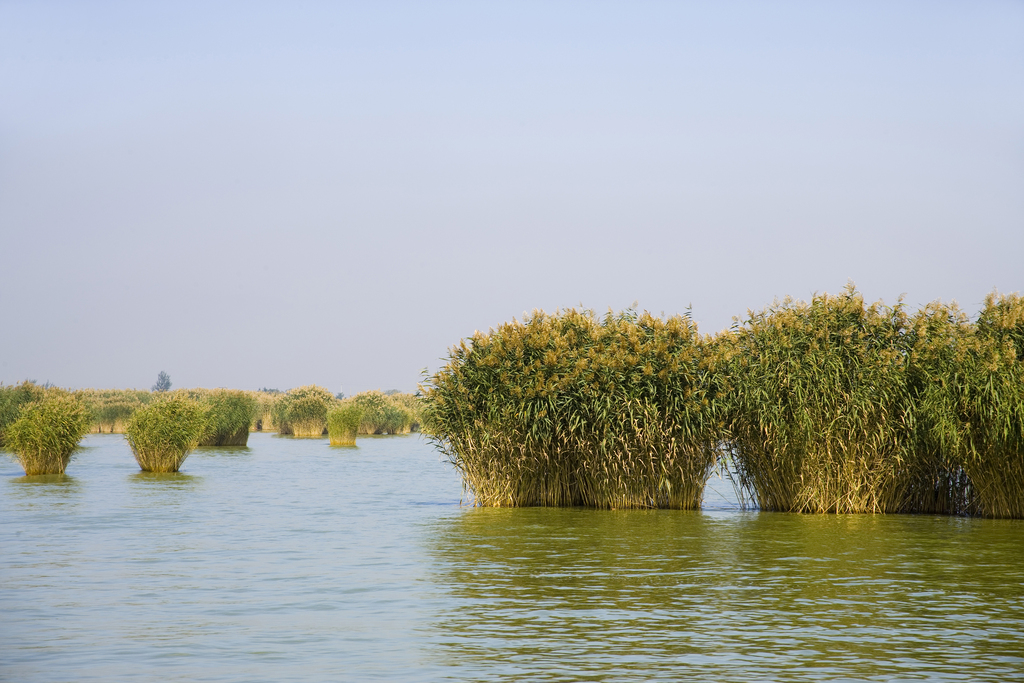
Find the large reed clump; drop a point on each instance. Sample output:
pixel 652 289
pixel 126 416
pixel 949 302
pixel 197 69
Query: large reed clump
pixel 162 434
pixel 970 385
pixel 47 432
pixel 343 421
pixel 229 414
pixel 569 409
pixel 820 410
pixel 12 398
pixel 381 413
pixel 303 411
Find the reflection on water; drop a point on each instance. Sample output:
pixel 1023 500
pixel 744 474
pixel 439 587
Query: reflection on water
pixel 165 480
pixel 45 494
pixel 544 594
pixel 223 450
pixel 57 482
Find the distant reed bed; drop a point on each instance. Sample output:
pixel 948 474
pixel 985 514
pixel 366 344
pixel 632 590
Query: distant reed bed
pixel 828 406
pixel 110 408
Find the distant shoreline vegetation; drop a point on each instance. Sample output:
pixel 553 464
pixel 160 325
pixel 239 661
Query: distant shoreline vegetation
pixel 832 406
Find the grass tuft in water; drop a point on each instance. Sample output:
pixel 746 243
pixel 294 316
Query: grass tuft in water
pixel 47 432
pixel 162 434
pixel 343 423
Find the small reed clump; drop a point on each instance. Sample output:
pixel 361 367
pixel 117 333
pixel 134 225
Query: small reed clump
pixel 303 411
pixel 569 409
pixel 343 423
pixel 229 414
pixel 412 407
pixel 162 434
pixel 385 413
pixel 47 432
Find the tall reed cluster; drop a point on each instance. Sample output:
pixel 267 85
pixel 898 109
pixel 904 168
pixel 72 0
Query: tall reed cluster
pixel 820 412
pixel 570 409
pixel 969 382
pixel 827 406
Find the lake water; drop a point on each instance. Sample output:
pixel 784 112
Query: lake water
pixel 291 560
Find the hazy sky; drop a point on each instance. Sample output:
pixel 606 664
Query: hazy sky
pixel 276 194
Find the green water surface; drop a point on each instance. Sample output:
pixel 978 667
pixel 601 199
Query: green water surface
pixel 294 561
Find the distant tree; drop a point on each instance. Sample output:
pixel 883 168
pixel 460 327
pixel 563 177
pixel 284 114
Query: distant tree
pixel 163 382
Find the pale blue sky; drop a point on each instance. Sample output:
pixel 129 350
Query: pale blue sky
pixel 275 194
